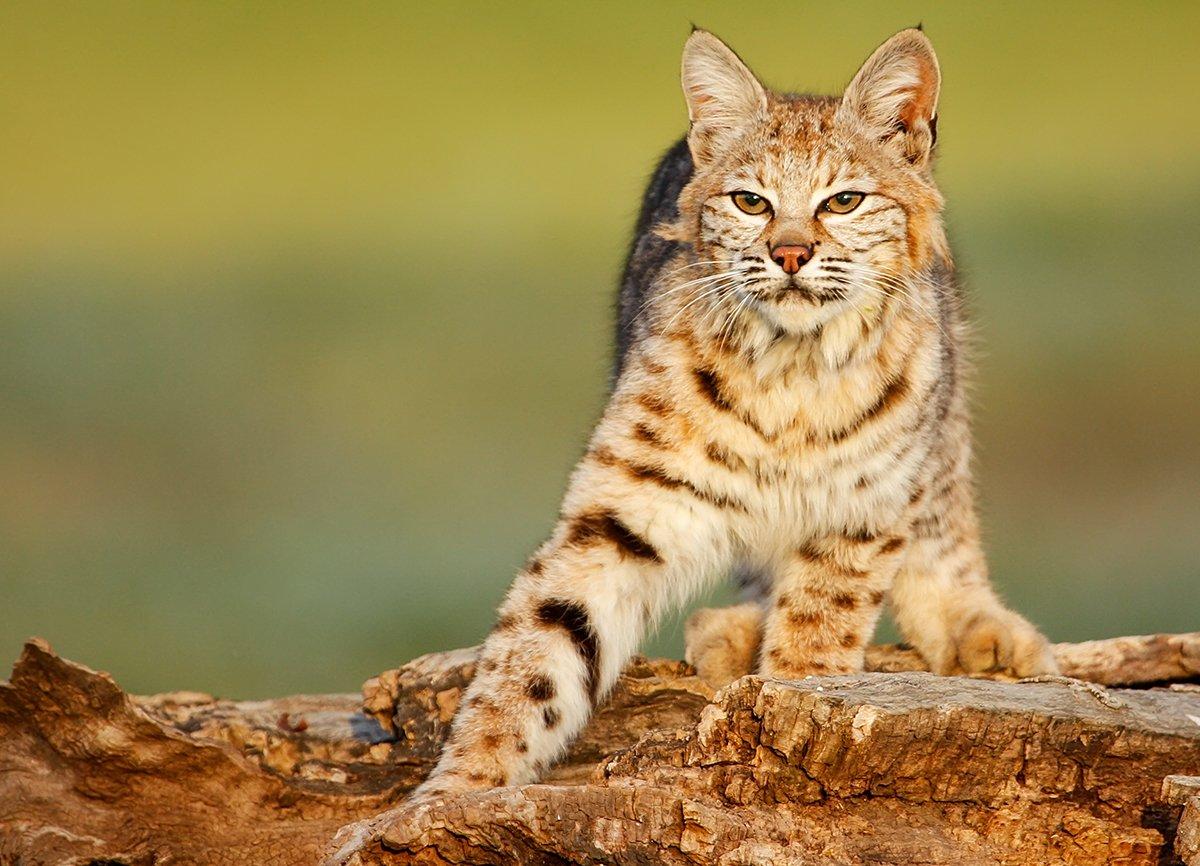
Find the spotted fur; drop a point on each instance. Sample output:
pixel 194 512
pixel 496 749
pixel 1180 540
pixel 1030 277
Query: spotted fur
pixel 807 430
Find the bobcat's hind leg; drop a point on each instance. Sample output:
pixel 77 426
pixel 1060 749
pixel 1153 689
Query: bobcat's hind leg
pixel 722 643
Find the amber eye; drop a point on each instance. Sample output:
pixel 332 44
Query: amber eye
pixel 750 203
pixel 843 202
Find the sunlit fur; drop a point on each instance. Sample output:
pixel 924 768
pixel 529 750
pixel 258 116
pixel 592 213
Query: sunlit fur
pixel 809 432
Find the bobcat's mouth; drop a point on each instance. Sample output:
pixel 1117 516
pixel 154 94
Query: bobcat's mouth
pixel 792 289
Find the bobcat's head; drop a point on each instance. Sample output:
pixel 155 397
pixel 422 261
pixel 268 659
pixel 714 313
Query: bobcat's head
pixel 801 207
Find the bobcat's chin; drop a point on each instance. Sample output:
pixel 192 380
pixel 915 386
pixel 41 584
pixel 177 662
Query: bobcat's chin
pixel 798 311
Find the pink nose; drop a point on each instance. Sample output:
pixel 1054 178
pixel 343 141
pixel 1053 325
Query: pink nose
pixel 791 257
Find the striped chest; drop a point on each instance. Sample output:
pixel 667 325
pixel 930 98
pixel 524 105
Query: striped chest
pixel 809 450
pixel 796 489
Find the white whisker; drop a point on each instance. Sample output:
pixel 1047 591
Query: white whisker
pixel 708 293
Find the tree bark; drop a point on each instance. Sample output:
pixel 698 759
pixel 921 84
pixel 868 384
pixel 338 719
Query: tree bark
pixel 884 768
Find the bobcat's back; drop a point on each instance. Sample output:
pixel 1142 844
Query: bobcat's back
pixel 649 252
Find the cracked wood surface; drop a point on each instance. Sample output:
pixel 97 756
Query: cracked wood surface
pixel 876 768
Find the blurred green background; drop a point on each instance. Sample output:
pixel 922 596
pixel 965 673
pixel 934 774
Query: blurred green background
pixel 305 309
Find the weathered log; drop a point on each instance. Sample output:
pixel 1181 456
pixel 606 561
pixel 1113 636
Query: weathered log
pixel 900 768
pixel 418 700
pixel 896 768
pixel 1185 791
pixel 90 775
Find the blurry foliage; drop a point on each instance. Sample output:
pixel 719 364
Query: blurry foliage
pixel 306 308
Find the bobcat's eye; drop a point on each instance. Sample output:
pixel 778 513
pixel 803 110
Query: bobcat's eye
pixel 843 202
pixel 748 202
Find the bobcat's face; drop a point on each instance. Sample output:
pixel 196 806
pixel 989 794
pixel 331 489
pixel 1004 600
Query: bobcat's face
pixel 805 226
pixel 809 206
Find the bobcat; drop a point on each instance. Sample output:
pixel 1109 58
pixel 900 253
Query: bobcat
pixel 788 405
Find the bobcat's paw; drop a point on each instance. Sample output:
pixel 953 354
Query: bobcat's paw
pixel 406 824
pixel 722 643
pixel 1001 642
pixel 447 784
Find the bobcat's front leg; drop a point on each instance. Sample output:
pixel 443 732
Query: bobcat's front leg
pixel 945 607
pixel 628 548
pixel 825 601
pixel 942 600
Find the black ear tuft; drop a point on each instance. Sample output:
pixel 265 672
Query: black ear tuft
pixel 920 26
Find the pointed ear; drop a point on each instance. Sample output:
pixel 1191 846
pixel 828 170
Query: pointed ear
pixel 896 93
pixel 723 96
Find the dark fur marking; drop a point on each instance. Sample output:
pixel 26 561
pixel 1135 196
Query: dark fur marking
pixel 551 717
pixel 535 567
pixel 803 619
pixel 603 456
pixel 506 623
pixel 890 396
pixel 946 474
pixel 573 618
pixel 810 554
pixel 670 482
pixel 540 688
pixel 495 781
pixel 522 746
pixel 654 404
pixel 876 597
pixel 723 457
pixel 605 526
pixel 849 640
pixel 845 600
pixel 649 435
pixel 710 388
pixel 944 489
pixel 928 526
pixel 892 544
